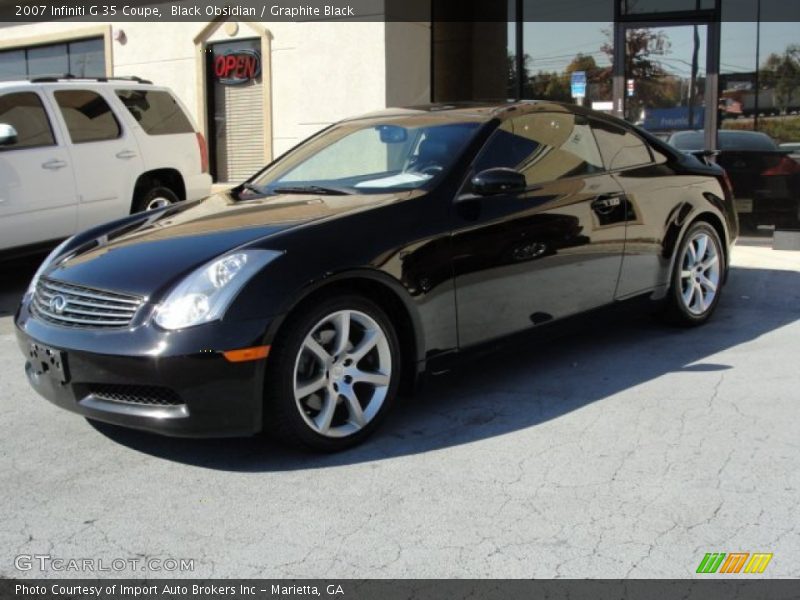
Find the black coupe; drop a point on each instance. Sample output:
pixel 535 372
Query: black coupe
pixel 301 300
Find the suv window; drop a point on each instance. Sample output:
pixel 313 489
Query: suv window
pixel 88 116
pixel 544 147
pixel 157 112
pixel 25 113
pixel 621 149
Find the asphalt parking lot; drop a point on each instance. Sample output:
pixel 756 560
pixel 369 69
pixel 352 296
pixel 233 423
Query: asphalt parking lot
pixel 630 451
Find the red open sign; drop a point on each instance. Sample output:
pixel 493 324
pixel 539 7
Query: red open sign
pixel 237 67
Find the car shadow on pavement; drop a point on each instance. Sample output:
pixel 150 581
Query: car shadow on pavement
pixel 524 384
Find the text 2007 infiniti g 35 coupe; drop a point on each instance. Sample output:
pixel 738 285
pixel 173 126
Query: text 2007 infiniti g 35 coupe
pixel 300 300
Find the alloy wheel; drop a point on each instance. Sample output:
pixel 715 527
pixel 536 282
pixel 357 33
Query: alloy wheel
pixel 342 373
pixel 700 273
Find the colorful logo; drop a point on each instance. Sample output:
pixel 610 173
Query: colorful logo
pixel 734 562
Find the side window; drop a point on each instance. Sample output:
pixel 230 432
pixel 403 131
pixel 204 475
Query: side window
pixel 620 149
pixel 544 147
pixel 157 112
pixel 25 113
pixel 88 116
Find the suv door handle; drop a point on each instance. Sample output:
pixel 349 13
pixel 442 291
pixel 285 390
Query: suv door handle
pixel 54 164
pixel 125 154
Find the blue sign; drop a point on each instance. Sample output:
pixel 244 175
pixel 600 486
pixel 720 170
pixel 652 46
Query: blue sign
pixel 578 81
pixel 665 119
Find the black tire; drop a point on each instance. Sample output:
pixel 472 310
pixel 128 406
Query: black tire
pixel 676 310
pixel 282 411
pixel 145 199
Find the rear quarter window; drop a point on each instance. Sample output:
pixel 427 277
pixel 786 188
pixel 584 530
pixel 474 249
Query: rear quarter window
pixel 157 112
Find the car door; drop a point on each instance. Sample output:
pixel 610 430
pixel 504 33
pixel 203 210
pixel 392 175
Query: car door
pixel 37 188
pixel 549 252
pixel 105 154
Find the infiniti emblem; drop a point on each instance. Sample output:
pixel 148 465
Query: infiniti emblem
pixel 58 303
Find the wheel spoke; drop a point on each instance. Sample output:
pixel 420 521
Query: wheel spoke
pixel 342 325
pixel 369 341
pixel 691 253
pixel 376 379
pixel 701 298
pixel 688 294
pixel 325 416
pixel 317 350
pixel 709 262
pixel 702 246
pixel 354 408
pixel 707 284
pixel 308 388
pixel 685 274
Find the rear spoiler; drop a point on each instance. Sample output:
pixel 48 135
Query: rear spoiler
pixel 705 155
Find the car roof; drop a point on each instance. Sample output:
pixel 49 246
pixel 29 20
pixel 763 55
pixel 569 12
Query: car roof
pixel 483 110
pixel 81 81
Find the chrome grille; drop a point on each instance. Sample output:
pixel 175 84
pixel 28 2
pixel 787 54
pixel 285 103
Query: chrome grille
pixel 77 306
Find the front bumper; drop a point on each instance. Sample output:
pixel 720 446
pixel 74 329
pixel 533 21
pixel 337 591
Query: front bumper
pixel 167 382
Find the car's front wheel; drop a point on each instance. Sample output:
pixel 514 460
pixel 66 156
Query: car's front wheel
pixel 333 374
pixel 697 276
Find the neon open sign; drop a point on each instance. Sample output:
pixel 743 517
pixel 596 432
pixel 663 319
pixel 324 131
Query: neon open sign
pixel 237 67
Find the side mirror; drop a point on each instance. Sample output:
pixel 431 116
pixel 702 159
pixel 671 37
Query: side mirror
pixel 8 135
pixel 499 180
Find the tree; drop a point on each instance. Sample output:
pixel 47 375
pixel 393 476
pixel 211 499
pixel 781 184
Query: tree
pixel 781 72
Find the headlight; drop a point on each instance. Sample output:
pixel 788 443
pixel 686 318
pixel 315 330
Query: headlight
pixel 43 267
pixel 205 294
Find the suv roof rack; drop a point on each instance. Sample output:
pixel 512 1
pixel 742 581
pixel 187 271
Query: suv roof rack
pixel 70 76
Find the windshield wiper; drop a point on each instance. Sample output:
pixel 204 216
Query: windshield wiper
pixel 312 189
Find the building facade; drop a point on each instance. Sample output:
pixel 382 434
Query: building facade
pixel 258 88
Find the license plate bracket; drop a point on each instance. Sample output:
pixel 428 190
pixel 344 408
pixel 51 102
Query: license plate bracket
pixel 49 362
pixel 744 205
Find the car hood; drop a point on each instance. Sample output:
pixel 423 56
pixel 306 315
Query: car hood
pixel 144 256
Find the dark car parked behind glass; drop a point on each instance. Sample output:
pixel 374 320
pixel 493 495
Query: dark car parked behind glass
pixel 385 245
pixel 765 178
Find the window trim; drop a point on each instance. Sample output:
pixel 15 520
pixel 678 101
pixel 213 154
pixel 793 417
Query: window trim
pixel 624 129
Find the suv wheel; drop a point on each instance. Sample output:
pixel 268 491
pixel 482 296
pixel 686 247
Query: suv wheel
pixel 334 374
pixel 156 197
pixel 697 276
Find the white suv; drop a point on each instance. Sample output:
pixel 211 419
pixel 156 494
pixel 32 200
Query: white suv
pixel 76 153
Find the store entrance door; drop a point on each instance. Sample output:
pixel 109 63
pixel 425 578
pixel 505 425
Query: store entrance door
pixel 668 80
pixel 236 111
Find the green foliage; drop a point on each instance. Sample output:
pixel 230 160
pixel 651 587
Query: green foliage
pixel 780 129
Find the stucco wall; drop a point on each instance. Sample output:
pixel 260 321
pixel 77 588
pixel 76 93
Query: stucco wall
pixel 321 71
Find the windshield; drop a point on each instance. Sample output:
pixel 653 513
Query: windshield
pixel 369 157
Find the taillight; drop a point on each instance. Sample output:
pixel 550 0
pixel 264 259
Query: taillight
pixel 785 166
pixel 201 144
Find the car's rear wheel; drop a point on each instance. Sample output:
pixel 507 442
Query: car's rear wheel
pixel 333 375
pixel 697 276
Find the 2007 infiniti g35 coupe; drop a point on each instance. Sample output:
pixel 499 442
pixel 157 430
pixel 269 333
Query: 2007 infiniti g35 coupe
pixel 298 301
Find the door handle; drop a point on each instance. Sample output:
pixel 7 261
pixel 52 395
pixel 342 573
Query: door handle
pixel 125 154
pixel 54 164
pixel 607 202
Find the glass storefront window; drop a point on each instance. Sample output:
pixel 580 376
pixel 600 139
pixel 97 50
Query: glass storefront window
pixel 665 72
pixel 87 58
pixel 555 47
pixel 81 58
pixel 48 60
